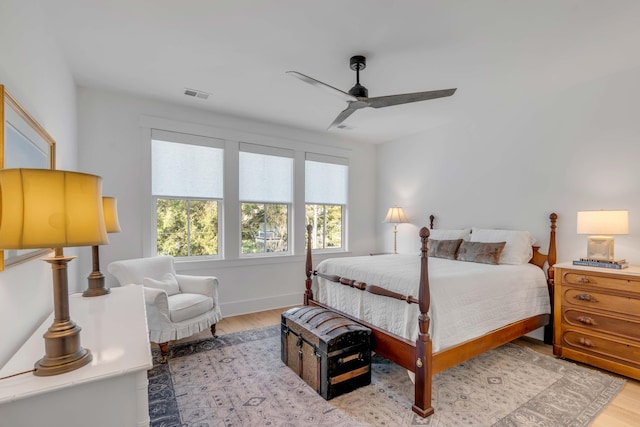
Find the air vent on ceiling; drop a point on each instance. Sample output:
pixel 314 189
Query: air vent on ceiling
pixel 196 93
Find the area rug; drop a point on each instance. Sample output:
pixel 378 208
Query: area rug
pixel 239 380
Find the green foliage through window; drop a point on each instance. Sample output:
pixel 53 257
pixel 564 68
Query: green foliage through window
pixel 327 226
pixel 264 227
pixel 187 227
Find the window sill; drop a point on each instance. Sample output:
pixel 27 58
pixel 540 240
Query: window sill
pixel 184 265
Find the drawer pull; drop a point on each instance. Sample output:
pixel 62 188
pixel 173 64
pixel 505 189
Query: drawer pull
pixel 584 279
pixel 585 297
pixel 586 342
pixel 587 320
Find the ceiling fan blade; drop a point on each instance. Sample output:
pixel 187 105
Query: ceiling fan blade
pixel 344 95
pixel 405 98
pixel 342 117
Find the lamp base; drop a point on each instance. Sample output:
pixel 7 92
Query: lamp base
pixel 63 352
pixel 96 286
pixel 600 248
pixel 96 278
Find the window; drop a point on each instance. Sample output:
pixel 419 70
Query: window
pixel 187 178
pixel 266 195
pixel 326 183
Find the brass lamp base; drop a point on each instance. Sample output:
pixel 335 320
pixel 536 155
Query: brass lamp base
pixel 96 286
pixel 63 352
pixel 96 278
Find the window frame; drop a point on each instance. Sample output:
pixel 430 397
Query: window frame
pixel 190 140
pixel 229 231
pixel 334 160
pixel 275 152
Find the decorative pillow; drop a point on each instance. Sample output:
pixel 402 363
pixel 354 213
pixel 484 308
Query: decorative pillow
pixel 484 252
pixel 168 283
pixel 444 248
pixel 442 234
pixel 518 243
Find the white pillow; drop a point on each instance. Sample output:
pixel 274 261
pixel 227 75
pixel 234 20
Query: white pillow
pixel 518 249
pixel 442 234
pixel 169 284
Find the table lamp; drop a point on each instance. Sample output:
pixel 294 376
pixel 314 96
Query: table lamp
pixel 601 225
pixel 96 278
pixel 396 216
pixel 44 208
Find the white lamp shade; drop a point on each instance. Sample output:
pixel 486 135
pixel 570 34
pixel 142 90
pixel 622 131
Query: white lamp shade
pixel 43 208
pixel 110 208
pixel 603 222
pixel 395 215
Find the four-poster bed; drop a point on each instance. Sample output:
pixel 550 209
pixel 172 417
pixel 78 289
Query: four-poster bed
pixel 417 354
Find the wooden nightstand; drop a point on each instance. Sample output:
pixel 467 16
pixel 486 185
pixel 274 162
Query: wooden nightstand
pixel 597 317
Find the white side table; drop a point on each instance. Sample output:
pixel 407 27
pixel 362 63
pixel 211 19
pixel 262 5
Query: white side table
pixel 110 391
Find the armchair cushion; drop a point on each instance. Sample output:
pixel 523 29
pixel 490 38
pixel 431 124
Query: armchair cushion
pixel 168 283
pixel 188 306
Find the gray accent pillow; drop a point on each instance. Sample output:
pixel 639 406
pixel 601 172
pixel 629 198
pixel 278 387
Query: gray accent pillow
pixel 483 252
pixel 444 248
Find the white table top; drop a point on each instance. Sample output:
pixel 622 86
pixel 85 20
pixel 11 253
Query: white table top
pixel 114 328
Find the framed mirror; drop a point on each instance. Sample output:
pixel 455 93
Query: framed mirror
pixel 23 144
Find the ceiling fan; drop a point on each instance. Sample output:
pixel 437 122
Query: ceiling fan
pixel 357 97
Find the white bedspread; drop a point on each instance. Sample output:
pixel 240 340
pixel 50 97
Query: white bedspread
pixel 467 299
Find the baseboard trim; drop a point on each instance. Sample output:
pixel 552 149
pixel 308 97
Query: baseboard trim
pixel 237 308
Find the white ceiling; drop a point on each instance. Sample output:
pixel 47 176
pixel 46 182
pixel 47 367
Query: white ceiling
pixel 496 52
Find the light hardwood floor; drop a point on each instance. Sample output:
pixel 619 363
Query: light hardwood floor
pixel 624 410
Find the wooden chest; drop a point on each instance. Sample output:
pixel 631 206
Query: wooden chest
pixel 329 352
pixel 597 317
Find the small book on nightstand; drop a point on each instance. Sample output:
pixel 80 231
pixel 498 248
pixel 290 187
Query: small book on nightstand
pixel 616 264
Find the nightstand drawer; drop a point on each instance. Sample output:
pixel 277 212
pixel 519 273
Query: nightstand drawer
pixel 626 328
pixel 602 301
pixel 627 352
pixel 601 281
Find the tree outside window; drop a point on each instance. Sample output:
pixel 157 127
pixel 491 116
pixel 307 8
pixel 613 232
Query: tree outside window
pixel 264 228
pixel 327 226
pixel 187 227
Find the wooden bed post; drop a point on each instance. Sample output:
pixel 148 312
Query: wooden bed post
pixel 551 260
pixel 308 293
pixel 423 368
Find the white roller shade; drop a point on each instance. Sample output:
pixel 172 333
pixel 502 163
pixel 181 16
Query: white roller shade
pixel 326 183
pixel 185 170
pixel 265 178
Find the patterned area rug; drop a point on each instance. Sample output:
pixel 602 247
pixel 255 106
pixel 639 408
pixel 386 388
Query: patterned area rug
pixel 239 380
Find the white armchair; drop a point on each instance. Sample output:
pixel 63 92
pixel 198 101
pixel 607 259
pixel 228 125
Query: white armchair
pixel 178 305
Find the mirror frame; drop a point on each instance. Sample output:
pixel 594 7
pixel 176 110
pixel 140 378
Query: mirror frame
pixel 7 101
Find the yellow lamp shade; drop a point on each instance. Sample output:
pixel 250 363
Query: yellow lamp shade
pixel 43 208
pixel 110 208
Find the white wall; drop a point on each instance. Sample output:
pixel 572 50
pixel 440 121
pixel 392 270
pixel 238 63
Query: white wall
pixel 114 135
pixel 32 70
pixel 510 166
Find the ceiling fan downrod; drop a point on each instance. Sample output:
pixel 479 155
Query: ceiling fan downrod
pixel 357 63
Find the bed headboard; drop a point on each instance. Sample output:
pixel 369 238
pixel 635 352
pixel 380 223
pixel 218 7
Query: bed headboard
pixel 538 258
